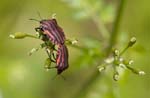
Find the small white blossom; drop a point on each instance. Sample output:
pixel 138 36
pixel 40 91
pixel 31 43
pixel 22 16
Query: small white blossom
pixel 11 36
pixel 131 62
pixel 74 42
pixel 109 60
pixel 142 73
pixel 101 69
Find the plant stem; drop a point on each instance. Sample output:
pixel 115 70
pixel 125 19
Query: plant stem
pixel 86 86
pixel 123 51
pixel 113 41
pixel 32 36
pixel 115 31
pixel 101 27
pixel 104 33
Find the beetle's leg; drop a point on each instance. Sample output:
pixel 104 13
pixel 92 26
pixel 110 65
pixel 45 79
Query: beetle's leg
pixel 49 53
pixel 47 64
pixel 38 29
pixel 53 60
pixel 53 48
pixel 54 57
pixel 52 52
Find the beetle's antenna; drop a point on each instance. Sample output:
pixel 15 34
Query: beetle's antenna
pixel 60 76
pixel 55 77
pixel 39 15
pixel 63 77
pixel 34 19
pixel 54 16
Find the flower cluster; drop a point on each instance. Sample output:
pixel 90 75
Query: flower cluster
pixel 117 61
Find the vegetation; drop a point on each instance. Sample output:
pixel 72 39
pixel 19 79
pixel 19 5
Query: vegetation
pixel 103 43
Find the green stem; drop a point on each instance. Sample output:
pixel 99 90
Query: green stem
pixel 69 43
pixel 104 34
pixel 125 49
pixel 101 27
pixel 115 31
pixel 132 69
pixel 32 36
pixel 86 86
pixel 78 47
pixel 113 41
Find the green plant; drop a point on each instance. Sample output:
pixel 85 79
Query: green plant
pixel 106 53
pixel 95 10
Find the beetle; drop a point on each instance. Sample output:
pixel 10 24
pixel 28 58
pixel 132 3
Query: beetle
pixel 50 30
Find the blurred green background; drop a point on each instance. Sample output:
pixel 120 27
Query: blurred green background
pixel 23 76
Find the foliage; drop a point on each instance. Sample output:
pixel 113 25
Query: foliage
pixel 87 56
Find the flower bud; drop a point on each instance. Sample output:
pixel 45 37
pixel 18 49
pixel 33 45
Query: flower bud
pixel 71 42
pixel 47 64
pixel 32 51
pixel 74 42
pixel 121 59
pixel 101 68
pixel 109 60
pixel 53 15
pixel 122 65
pixel 130 62
pixel 37 34
pixel 18 35
pixel 116 52
pixel 116 77
pixel 142 73
pixel 132 42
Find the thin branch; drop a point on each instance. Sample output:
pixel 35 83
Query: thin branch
pixel 101 27
pixel 104 33
pixel 115 31
pixel 86 86
pixel 32 36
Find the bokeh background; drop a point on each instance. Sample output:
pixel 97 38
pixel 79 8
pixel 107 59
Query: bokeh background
pixel 23 76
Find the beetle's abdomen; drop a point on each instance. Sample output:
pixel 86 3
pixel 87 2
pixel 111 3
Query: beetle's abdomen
pixel 62 58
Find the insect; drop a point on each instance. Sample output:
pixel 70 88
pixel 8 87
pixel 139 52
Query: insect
pixel 49 30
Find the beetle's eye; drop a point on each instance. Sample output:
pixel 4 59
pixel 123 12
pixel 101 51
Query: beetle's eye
pixel 41 29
